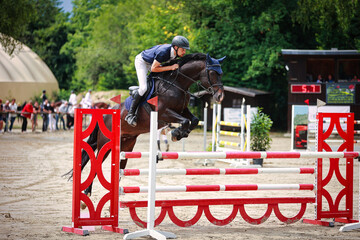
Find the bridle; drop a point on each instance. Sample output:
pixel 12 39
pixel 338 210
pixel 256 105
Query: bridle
pixel 208 90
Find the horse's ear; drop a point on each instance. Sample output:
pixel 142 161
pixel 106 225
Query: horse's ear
pixel 208 58
pixel 221 59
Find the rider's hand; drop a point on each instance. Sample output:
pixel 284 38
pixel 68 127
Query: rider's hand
pixel 175 66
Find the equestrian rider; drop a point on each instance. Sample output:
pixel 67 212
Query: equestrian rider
pixel 150 60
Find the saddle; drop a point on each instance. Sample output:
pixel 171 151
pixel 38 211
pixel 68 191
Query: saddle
pixel 148 94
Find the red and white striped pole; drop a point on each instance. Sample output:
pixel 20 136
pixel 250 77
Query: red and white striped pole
pixel 218 188
pixel 217 171
pixel 236 155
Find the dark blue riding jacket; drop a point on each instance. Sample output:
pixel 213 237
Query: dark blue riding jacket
pixel 160 53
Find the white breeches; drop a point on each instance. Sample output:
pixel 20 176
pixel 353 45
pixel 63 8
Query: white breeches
pixel 142 68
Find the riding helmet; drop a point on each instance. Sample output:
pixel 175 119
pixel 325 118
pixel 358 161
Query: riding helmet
pixel 180 41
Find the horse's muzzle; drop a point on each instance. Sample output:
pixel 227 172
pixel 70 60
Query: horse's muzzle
pixel 219 95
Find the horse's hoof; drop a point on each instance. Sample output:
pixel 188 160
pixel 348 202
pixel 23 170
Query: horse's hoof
pixel 175 134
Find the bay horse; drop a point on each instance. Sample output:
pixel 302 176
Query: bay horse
pixel 172 89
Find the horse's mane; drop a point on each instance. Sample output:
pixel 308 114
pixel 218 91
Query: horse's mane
pixel 187 58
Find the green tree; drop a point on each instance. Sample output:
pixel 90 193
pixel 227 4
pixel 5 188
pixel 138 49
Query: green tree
pixel 334 23
pixel 14 18
pixel 46 34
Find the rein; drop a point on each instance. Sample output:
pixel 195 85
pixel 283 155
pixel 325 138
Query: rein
pixel 209 90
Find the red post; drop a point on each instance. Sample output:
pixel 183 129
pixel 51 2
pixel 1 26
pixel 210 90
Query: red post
pixel 346 180
pixel 112 196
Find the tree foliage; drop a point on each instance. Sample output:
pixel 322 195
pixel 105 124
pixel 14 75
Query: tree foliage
pixel 96 45
pixel 14 18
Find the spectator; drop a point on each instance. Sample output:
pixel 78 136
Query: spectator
pixel 1 115
pixel 60 114
pixel 70 116
pixel 45 107
pixel 13 109
pixel 34 116
pixel 162 134
pixel 319 79
pixel 25 114
pixel 43 96
pixel 355 78
pixel 72 99
pixel 87 100
pixel 330 78
pixel 6 115
pixel 52 122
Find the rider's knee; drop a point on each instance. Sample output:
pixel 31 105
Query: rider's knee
pixel 142 90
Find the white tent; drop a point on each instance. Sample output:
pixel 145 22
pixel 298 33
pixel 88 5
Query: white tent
pixel 24 75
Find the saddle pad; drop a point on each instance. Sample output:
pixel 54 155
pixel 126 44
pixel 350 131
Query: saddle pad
pixel 148 94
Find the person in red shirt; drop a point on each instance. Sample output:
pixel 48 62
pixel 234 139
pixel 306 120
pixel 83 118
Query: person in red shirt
pixel 26 114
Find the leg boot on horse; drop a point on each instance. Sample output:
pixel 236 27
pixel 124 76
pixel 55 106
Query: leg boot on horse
pixel 131 116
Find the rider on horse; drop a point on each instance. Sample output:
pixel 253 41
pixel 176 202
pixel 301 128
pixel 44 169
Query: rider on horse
pixel 150 60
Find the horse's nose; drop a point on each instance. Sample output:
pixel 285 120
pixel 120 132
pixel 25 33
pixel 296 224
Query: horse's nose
pixel 220 96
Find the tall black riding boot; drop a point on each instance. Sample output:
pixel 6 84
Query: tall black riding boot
pixel 131 116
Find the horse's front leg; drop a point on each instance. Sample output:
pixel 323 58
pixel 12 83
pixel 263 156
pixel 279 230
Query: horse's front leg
pixel 194 120
pixel 173 117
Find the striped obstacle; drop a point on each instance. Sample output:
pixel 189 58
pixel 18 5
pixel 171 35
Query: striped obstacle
pixel 321 194
pixel 244 134
pixel 167 206
pixel 238 204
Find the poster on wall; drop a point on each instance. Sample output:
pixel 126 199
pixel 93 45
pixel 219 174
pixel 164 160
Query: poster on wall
pixel 234 114
pixel 325 109
pixel 299 127
pixel 340 93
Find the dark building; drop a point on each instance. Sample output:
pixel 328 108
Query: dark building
pixel 339 72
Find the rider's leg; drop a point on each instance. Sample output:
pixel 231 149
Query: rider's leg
pixel 131 116
pixel 142 68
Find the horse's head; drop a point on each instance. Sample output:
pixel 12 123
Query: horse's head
pixel 212 79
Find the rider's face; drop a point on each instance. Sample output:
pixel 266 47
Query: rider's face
pixel 181 52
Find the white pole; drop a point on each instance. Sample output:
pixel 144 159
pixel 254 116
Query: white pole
pixel 218 126
pixel 152 186
pixel 248 127
pixel 205 124
pixel 152 171
pixel 242 125
pixel 213 141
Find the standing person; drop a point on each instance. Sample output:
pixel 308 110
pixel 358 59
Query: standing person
pixel 151 60
pixel 162 134
pixel 62 110
pixel 72 99
pixel 45 107
pixel 87 102
pixel 52 122
pixel 13 109
pixel 1 115
pixel 25 114
pixel 34 116
pixel 6 115
pixel 43 96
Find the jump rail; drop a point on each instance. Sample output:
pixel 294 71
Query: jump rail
pixel 232 155
pixel 216 171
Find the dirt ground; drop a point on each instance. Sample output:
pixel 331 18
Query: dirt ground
pixel 35 202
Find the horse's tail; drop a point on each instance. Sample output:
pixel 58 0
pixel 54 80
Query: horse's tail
pixel 92 141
